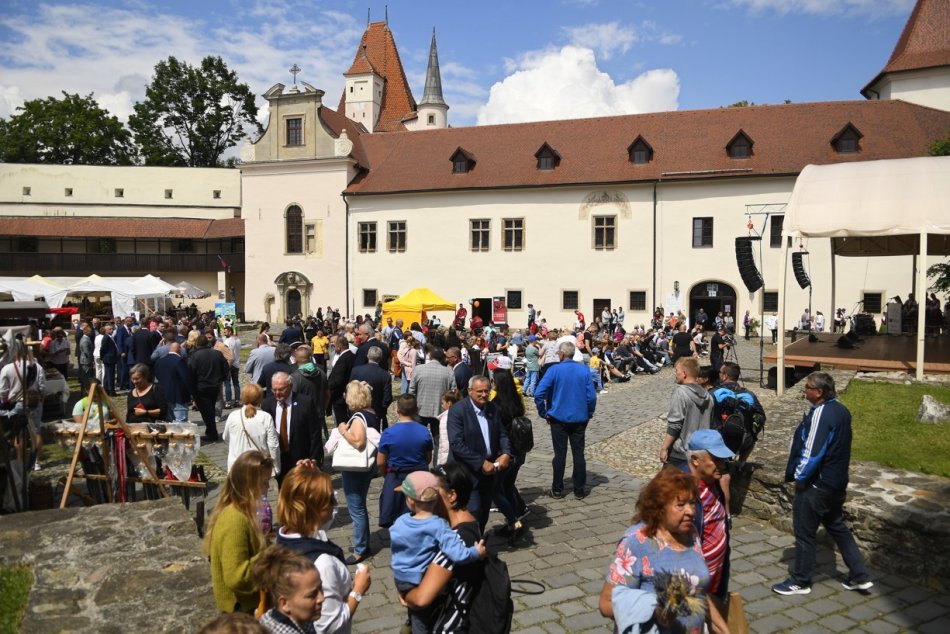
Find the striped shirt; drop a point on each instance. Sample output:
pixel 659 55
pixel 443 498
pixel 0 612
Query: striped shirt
pixel 715 539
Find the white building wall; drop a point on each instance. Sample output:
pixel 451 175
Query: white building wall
pixel 928 87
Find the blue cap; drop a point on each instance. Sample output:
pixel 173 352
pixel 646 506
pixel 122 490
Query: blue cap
pixel 709 440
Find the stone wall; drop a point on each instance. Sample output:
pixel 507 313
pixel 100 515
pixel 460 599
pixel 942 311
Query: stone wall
pixel 900 519
pixel 111 568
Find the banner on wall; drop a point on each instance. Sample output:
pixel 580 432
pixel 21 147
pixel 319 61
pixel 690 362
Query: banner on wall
pixel 499 312
pixel 225 310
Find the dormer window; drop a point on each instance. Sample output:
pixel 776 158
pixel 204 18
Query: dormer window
pixel 847 140
pixel 640 152
pixel 295 131
pixel 462 162
pixel 740 147
pixel 548 159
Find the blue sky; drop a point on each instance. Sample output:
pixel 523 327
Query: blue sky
pixel 501 61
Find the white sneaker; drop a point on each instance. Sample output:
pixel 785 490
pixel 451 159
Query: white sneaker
pixel 603 391
pixel 36 466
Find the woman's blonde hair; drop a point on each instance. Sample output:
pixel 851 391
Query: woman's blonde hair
pixel 306 494
pixel 359 395
pixel 242 490
pixel 252 396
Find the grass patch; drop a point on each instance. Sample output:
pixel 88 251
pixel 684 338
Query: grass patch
pixel 16 582
pixel 886 430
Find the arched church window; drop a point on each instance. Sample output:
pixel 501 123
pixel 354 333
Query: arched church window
pixel 293 221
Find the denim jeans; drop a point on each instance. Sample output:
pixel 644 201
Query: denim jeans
pixel 180 412
pixel 404 385
pixel 355 489
pixel 531 382
pixel 232 379
pixel 561 435
pixel 811 508
pixel 595 376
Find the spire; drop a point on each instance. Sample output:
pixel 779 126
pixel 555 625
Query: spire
pixel 433 89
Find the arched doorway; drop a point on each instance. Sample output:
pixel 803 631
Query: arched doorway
pixel 712 297
pixel 293 303
pixel 293 289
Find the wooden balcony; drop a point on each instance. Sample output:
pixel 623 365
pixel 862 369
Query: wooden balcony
pixel 104 264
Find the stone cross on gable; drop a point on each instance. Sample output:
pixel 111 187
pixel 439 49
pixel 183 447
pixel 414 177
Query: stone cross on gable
pixel 294 70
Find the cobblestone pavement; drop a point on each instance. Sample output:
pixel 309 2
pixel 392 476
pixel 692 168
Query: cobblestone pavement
pixel 568 542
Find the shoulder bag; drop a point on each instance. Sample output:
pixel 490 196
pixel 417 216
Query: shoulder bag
pixel 346 457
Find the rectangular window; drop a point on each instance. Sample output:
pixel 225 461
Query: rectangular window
pixel 770 302
pixel 775 231
pixel 366 233
pixel 119 192
pixel 872 302
pixel 216 194
pixel 100 245
pixel 702 232
pixel 168 194
pixel 310 237
pixel 513 300
pixel 68 192
pixel 369 297
pixel 569 300
pixel 27 244
pixel 513 234
pixel 295 131
pixel 605 232
pixel 638 300
pixel 481 234
pixel 27 191
pixel 396 238
pixel 545 162
pixel 185 245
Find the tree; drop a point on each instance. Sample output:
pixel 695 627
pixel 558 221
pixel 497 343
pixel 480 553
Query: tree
pixel 940 273
pixel 941 147
pixel 191 115
pixel 73 130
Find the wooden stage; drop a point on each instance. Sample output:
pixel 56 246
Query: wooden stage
pixel 881 353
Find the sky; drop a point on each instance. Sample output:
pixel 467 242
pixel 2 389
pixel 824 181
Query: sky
pixel 501 61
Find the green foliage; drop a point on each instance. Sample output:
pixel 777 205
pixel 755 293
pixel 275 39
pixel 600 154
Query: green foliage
pixel 191 115
pixel 16 582
pixel 886 430
pixel 940 274
pixel 73 130
pixel 941 147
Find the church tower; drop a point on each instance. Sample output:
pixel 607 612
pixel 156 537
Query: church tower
pixel 433 111
pixel 363 92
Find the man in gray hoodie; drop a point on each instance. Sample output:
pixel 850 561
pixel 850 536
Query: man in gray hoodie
pixel 691 409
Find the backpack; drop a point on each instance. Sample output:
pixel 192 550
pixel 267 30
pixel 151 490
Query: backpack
pixel 491 608
pixel 521 435
pixel 736 418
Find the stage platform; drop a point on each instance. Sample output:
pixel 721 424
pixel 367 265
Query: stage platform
pixel 881 353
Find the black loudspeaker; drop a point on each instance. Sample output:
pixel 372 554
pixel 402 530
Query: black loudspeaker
pixel 799 268
pixel 845 342
pixel 746 262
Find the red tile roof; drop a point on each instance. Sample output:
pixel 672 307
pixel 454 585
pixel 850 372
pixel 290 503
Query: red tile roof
pixel 382 55
pixel 924 43
pixel 361 65
pixel 337 122
pixel 686 144
pixel 125 227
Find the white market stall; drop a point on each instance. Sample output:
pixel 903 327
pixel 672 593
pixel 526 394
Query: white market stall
pixel 872 208
pixel 126 293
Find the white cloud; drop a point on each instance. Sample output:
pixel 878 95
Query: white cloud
pixel 603 38
pixel 566 83
pixel 873 8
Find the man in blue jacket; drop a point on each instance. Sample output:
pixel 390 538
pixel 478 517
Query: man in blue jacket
pixel 565 397
pixel 818 465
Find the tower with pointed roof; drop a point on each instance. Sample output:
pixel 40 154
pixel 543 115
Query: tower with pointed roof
pixel 432 111
pixel 919 68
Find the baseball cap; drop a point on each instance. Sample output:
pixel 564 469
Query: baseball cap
pixel 421 486
pixel 709 440
pixel 532 338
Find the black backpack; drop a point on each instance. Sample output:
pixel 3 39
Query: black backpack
pixel 491 608
pixel 521 435
pixel 735 417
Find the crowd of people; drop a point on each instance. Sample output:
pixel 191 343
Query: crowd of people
pixel 460 434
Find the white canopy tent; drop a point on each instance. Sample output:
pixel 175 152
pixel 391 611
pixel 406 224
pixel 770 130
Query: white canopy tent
pixel 123 291
pixel 872 208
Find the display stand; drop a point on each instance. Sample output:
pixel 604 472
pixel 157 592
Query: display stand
pixel 136 439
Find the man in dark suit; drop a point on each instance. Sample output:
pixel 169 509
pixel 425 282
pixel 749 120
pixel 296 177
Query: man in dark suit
pixel 171 374
pixel 109 355
pixel 292 333
pixel 478 440
pixel 379 380
pixel 144 341
pixel 463 371
pixel 123 340
pixel 281 363
pixel 370 341
pixel 339 377
pixel 297 421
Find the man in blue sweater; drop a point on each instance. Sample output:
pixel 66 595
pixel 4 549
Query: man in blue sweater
pixel 566 398
pixel 818 465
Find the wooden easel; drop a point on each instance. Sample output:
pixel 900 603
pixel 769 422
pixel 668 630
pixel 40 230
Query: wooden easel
pixel 94 389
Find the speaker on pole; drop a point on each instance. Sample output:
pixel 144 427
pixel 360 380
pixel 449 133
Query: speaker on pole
pixel 745 259
pixel 798 266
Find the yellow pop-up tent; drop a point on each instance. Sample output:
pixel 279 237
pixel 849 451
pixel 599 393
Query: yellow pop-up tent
pixel 414 305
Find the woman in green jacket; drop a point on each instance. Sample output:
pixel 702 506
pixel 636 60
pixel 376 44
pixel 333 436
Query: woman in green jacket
pixel 234 538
